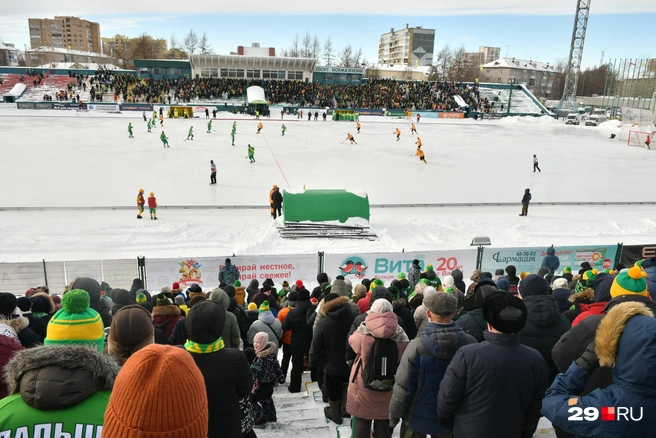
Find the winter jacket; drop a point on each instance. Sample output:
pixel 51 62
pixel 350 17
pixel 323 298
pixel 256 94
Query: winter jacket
pixel 493 389
pixel 573 343
pixel 406 316
pixel 252 289
pixel 526 198
pixel 9 344
pixel 649 267
pixel 434 279
pixel 562 299
pixel 226 372
pixel 602 296
pixel 362 402
pixel 152 202
pixel 179 335
pixel 243 322
pixel 240 295
pixel 20 326
pixel 65 387
pixel 457 280
pixel 268 324
pixel 266 372
pixel 357 322
pixel 166 317
pixel 421 319
pixel 296 321
pixel 513 279
pixel 551 260
pixel 286 335
pixel 231 331
pixel 37 325
pixel 261 297
pixel 624 340
pixel 340 288
pixel 422 367
pixel 276 198
pixel 330 337
pixel 473 323
pixel 413 275
pixel 544 327
pixel 576 299
pixel 364 303
pixel 228 274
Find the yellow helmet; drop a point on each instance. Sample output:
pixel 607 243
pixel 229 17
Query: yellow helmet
pixel 152 194
pixel 141 190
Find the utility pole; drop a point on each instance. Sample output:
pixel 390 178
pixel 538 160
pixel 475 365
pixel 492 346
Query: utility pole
pixel 601 62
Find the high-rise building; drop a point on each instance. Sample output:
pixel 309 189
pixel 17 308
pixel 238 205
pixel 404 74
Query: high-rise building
pixel 489 53
pixel 65 32
pixel 412 46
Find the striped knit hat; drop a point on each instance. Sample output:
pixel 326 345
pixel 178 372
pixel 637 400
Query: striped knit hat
pixel 76 323
pixel 264 307
pixel 631 282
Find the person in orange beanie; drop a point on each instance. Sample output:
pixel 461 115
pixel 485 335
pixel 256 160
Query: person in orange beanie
pixel 137 408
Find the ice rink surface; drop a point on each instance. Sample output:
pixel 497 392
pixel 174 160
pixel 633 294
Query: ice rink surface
pixel 71 159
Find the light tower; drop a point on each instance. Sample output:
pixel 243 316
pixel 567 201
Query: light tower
pixel 568 101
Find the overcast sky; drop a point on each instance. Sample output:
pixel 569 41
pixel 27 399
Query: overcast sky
pixel 538 30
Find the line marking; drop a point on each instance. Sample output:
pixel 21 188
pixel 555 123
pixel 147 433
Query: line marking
pixel 276 160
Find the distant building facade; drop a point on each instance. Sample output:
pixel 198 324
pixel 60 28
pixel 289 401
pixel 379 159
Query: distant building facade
pixel 116 44
pixel 9 55
pixel 397 71
pixel 65 32
pixel 538 77
pixel 48 55
pixel 412 46
pixel 338 75
pixel 489 53
pixel 162 68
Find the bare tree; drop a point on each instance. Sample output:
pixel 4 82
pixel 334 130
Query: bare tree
pixel 460 69
pixel 142 47
pixel 191 42
pixel 444 59
pixel 356 58
pixel 328 51
pixel 204 45
pixel 173 42
pixel 294 51
pixel 306 45
pixel 346 56
pixel 316 47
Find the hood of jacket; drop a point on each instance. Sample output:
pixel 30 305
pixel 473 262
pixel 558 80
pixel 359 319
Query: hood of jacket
pixel 626 341
pixel 322 277
pixel 253 286
pixel 585 296
pixel 382 325
pixel 59 376
pixel 483 289
pixel 218 295
pixel 338 309
pixel 266 317
pixel 340 288
pixel 170 310
pixel 206 322
pixel 440 340
pixel 17 324
pixel 45 297
pixel 511 270
pixel 562 294
pixel 602 285
pixel 551 251
pixel 542 310
pixel 431 275
pixel 457 275
pixel 269 350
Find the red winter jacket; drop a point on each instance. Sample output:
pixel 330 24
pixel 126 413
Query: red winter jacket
pixel 589 309
pixel 152 202
pixel 8 346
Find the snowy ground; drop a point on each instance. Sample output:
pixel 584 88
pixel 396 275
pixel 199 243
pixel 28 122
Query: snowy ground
pixel 70 159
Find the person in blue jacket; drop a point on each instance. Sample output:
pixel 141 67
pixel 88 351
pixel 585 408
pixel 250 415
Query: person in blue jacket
pixel 551 260
pixel 625 341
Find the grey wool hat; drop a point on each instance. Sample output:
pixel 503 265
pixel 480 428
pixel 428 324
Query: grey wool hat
pixel 440 303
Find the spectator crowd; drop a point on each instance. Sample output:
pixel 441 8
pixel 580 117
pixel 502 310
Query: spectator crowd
pixel 429 355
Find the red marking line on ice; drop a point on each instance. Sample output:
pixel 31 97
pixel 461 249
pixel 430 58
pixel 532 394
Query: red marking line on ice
pixel 276 160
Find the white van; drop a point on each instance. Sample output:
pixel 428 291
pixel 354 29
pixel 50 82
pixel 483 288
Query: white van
pixel 596 120
pixel 573 119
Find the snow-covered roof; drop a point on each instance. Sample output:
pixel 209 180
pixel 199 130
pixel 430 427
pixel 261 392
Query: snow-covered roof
pixel 5 47
pixel 68 51
pixel 80 65
pixel 521 64
pixel 399 67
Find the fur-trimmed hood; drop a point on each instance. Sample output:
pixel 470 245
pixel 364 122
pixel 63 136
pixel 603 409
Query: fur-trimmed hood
pixel 269 350
pixel 47 298
pixel 59 376
pixel 626 341
pixel 583 296
pixel 170 310
pixel 334 304
pixel 17 324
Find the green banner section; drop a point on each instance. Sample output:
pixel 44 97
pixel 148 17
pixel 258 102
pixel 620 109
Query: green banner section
pixel 325 205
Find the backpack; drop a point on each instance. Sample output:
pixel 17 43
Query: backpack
pixel 243 320
pixel 378 373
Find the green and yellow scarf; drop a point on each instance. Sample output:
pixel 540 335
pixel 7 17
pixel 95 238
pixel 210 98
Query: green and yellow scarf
pixel 195 347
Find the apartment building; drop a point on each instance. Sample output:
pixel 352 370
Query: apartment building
pixel 65 32
pixel 538 77
pixel 412 46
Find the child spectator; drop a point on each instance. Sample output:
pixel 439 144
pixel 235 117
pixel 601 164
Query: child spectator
pixel 266 372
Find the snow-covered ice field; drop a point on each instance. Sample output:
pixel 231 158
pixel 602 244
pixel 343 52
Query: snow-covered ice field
pixel 70 159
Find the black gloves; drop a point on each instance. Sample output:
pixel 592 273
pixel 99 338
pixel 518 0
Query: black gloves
pixel 588 360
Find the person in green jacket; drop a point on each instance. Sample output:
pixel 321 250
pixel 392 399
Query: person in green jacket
pixel 234 126
pixel 284 128
pixel 209 127
pixel 232 134
pixel 251 153
pixel 130 130
pixel 190 134
pixel 39 404
pixel 149 125
pixel 164 139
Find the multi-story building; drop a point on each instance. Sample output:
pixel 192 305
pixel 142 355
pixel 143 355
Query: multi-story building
pixel 65 32
pixel 117 44
pixel 412 46
pixel 9 54
pixel 538 77
pixel 489 53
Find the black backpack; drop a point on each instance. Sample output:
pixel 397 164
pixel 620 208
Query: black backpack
pixel 378 374
pixel 242 319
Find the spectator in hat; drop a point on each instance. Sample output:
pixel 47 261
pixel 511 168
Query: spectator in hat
pixel 267 294
pixel 266 323
pixel 131 330
pixel 365 303
pixel 138 409
pixel 93 289
pixel 228 273
pixel 121 299
pixel 9 344
pixel 413 273
pixel 472 320
pixel 226 371
pixel 137 284
pixel 545 324
pixel 422 367
pixel 19 324
pixel 286 340
pixel 65 382
pixel 296 321
pixel 231 333
pixel 551 260
pixel 601 286
pixel 252 290
pixel 513 279
pixel 37 325
pixel 503 285
pixel 561 293
pixel 43 306
pixel 583 293
pixel 266 374
pixel 195 291
pixel 240 293
pixel 165 315
pixel 497 385
pixel 567 274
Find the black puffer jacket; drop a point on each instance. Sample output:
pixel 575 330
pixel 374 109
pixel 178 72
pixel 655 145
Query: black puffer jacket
pixel 473 322
pixel 544 327
pixel 329 340
pixel 457 280
pixel 296 321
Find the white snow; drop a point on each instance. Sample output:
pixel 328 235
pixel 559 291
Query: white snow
pixel 83 160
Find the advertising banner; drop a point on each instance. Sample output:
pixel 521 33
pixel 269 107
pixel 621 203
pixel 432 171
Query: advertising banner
pixel 448 115
pixel 105 108
pixel 26 105
pixel 64 105
pixel 136 107
pixel 370 112
pixel 427 114
pixel 42 105
pixel 633 253
pixel 387 266
pixel 530 259
pixel 395 113
pixel 205 270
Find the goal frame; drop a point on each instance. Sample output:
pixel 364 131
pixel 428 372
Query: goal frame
pixel 639 137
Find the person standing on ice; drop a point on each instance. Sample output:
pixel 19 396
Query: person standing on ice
pixel 525 201
pixel 358 126
pixel 234 126
pixel 149 125
pixel 251 153
pixel 535 164
pixel 165 140
pixel 259 127
pixel 209 127
pixel 413 130
pixel 276 202
pixel 140 203
pixel 648 142
pixel 207 113
pixel 398 134
pixel 232 134
pixel 191 133
pixel 284 128
pixel 152 205
pixel 144 116
pixel 212 172
pixel 130 130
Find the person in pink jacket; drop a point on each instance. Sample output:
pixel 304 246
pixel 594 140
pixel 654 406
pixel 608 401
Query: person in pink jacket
pixel 364 404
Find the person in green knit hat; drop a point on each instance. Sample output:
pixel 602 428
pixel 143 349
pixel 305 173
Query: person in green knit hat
pixel 433 278
pixel 567 273
pixel 64 384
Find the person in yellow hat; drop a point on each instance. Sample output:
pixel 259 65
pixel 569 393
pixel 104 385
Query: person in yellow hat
pixel 140 203
pixel 152 205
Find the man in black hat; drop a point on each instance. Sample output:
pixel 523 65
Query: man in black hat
pixel 497 385
pixel 19 324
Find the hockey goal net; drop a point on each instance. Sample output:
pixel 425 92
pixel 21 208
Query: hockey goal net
pixel 639 138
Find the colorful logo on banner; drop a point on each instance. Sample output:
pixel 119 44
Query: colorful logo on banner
pixel 596 257
pixel 353 265
pixel 190 272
